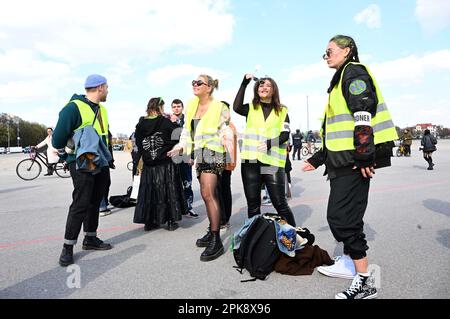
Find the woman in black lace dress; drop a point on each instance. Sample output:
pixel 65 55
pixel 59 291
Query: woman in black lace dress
pixel 160 198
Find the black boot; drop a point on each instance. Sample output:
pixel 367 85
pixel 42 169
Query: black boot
pixel 214 249
pixel 66 257
pixel 151 226
pixel 94 243
pixel 172 225
pixel 430 163
pixel 204 241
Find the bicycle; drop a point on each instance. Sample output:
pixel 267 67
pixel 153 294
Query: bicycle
pixel 401 150
pixel 30 168
pixel 305 151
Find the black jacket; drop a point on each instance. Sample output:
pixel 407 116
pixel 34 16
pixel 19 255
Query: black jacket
pixel 154 139
pixel 429 143
pixel 366 153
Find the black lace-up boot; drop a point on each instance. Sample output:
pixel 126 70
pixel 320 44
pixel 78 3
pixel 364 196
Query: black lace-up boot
pixel 214 249
pixel 204 241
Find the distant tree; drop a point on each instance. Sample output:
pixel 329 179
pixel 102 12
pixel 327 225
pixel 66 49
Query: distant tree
pixel 30 133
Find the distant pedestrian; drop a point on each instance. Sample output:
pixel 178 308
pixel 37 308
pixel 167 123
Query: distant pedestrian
pixel 429 146
pixel 297 144
pixel 407 141
pixel 52 153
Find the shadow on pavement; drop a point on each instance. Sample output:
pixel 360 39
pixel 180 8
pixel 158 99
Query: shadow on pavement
pixel 53 283
pixel 438 206
pixel 16 189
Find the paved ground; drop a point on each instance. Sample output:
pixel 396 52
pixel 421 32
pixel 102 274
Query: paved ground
pixel 407 225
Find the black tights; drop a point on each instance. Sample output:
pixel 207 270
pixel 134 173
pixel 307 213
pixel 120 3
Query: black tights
pixel 253 176
pixel 208 186
pixel 428 158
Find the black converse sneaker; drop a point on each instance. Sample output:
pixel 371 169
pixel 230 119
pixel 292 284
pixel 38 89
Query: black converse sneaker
pixel 361 288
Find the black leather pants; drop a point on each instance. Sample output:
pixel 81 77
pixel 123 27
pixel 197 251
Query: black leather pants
pixel 253 176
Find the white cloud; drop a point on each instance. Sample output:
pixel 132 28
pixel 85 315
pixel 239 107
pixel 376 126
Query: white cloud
pixel 172 73
pixel 371 16
pixel 124 115
pixel 299 106
pixel 108 31
pixel 20 65
pixel 433 15
pixel 302 73
pixel 412 69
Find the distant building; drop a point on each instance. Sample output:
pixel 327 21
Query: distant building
pixel 420 128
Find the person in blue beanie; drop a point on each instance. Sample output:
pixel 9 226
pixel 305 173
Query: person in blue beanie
pixel 89 188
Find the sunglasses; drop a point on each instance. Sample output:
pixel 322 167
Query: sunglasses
pixel 260 81
pixel 161 101
pixel 198 83
pixel 327 54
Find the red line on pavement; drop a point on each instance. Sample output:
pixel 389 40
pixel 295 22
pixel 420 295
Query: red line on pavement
pixel 291 203
pixel 49 239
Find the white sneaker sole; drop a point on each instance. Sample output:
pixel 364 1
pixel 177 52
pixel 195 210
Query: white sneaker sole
pixel 375 295
pixel 325 272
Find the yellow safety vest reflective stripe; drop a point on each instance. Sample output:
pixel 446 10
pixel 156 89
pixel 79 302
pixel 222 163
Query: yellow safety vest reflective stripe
pixel 207 130
pixel 340 123
pixel 259 130
pixel 87 117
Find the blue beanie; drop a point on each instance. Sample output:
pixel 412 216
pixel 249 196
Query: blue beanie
pixel 94 80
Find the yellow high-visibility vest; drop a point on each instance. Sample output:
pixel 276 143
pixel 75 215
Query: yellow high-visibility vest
pixel 207 130
pixel 259 130
pixel 340 123
pixel 87 117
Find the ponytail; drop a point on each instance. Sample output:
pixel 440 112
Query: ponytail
pixel 211 82
pixel 344 41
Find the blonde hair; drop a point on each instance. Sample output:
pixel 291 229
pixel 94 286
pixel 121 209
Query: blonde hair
pixel 211 82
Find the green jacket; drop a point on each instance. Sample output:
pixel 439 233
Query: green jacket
pixel 69 120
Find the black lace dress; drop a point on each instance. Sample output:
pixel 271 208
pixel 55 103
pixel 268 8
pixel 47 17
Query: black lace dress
pixel 161 195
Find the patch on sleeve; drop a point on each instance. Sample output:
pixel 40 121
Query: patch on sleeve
pixel 357 87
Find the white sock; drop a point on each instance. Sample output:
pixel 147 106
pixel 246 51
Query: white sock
pixel 364 274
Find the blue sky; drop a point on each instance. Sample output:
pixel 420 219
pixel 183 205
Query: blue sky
pixel 155 48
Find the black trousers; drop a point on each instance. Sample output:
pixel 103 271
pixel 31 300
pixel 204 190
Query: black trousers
pixel 224 189
pixel 346 207
pixel 297 149
pixel 253 176
pixel 86 197
pixel 408 149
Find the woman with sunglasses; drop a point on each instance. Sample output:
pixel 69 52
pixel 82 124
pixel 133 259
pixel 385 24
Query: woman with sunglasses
pixel 161 197
pixel 357 132
pixel 206 123
pixel 264 146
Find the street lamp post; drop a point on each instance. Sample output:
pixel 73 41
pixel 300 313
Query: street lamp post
pixel 18 134
pixel 307 113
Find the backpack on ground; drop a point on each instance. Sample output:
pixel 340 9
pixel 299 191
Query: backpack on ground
pixel 255 246
pixel 123 201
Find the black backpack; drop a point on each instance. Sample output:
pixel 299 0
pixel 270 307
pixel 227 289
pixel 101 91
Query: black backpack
pixel 258 250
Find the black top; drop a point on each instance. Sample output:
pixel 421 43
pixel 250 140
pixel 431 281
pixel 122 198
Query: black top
pixel 365 153
pixel 154 139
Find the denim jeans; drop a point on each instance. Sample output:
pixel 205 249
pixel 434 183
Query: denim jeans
pixel 186 177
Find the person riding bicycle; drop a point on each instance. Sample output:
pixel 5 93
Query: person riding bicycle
pixel 406 140
pixel 310 139
pixel 52 153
